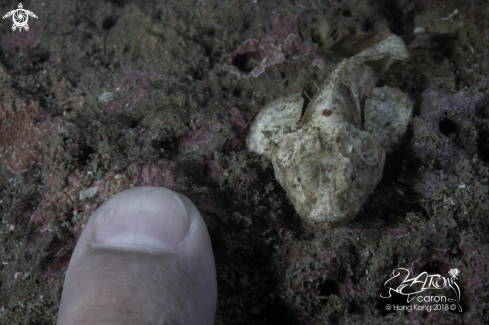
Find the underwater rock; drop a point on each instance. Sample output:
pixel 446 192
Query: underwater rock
pixel 387 115
pixel 21 137
pixel 331 165
pixel 88 193
pixel 253 56
pixel 451 141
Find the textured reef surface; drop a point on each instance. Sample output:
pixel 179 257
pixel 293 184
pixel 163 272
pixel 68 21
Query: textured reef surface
pixel 101 96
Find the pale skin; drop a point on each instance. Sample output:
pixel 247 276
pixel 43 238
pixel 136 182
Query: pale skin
pixel 144 258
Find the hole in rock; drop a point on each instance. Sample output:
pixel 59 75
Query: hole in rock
pixel 447 127
pixel 43 57
pixel 334 320
pixel 120 3
pixel 432 267
pixel 85 153
pixel 483 145
pixel 133 124
pixel 328 288
pixel 367 26
pixel 316 38
pixel 247 61
pixel 109 23
pixel 236 92
pixel 166 146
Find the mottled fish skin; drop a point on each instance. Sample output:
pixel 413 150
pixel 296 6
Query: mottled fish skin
pixel 331 163
pixel 276 119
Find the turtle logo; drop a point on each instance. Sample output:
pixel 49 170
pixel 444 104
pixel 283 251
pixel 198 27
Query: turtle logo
pixel 20 17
